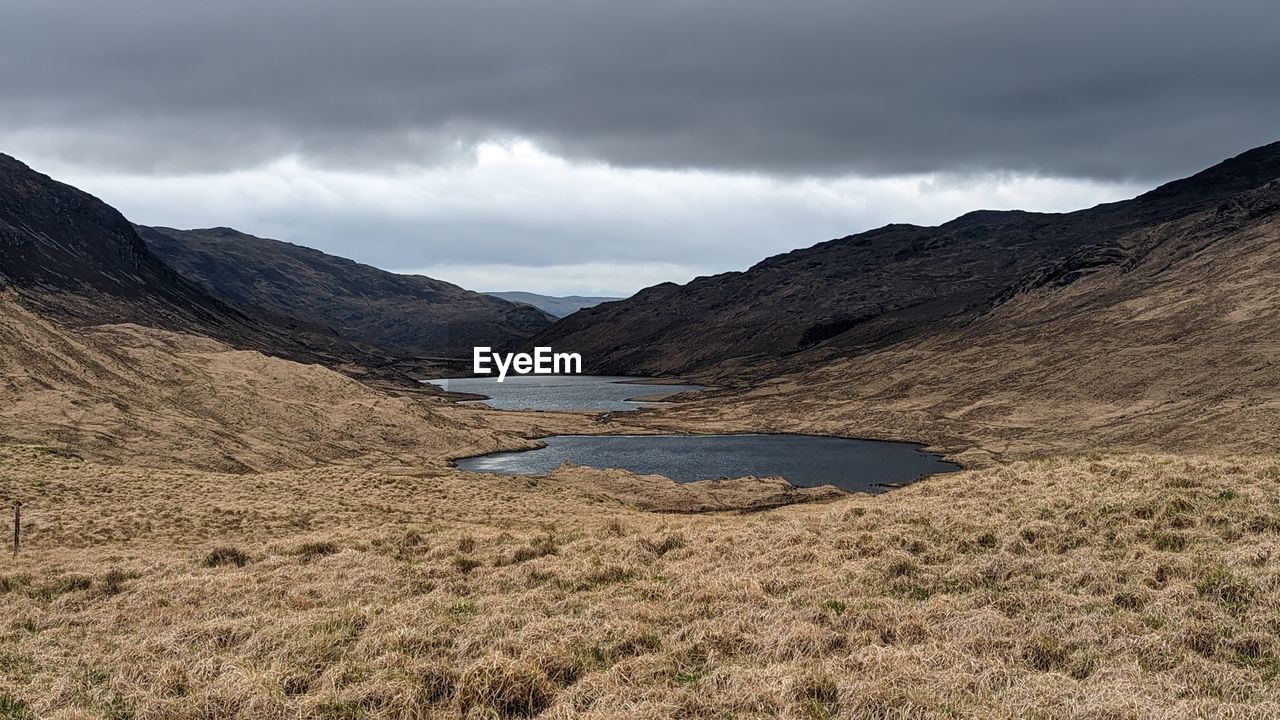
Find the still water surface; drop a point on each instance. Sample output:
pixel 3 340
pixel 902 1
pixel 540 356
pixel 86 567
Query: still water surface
pixel 804 460
pixel 561 392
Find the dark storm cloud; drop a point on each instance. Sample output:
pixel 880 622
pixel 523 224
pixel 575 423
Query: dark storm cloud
pixel 1147 89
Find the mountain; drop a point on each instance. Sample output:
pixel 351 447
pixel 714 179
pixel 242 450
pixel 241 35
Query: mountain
pixel 1178 349
pixel 1164 336
pixel 551 304
pixel 396 313
pixel 68 256
pixel 881 288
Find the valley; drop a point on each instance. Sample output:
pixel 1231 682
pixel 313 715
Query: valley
pixel 240 499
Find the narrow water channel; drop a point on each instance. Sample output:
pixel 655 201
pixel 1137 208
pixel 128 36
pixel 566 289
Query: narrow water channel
pixel 562 392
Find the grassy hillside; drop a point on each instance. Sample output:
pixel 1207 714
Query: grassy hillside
pixel 133 394
pixel 1115 587
pixel 364 577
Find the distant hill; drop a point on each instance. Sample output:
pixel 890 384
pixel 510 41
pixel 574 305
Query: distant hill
pixel 396 313
pixel 885 287
pixel 72 258
pixel 552 305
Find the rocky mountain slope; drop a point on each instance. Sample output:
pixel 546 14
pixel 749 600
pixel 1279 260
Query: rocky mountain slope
pixel 397 313
pixel 1181 352
pixel 1175 345
pixel 881 288
pixel 72 258
pixel 559 306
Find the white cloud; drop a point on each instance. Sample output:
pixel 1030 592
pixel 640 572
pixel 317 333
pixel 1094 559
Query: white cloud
pixel 514 217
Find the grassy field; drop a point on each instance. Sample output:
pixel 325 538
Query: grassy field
pixel 1108 587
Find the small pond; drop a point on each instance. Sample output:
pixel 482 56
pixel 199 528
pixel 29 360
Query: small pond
pixel 804 460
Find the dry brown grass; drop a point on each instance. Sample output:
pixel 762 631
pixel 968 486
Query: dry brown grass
pixel 1142 586
pixel 366 578
pixel 141 396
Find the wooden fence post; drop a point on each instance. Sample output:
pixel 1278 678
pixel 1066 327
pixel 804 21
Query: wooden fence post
pixel 17 526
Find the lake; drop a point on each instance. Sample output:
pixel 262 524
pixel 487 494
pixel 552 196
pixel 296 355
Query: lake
pixel 561 392
pixel 804 460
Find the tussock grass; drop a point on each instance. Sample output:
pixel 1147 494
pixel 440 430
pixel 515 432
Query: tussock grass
pixel 1047 588
pixel 316 549
pixel 115 580
pixel 818 694
pixel 504 688
pixel 14 709
pixel 540 547
pixel 662 545
pixel 225 555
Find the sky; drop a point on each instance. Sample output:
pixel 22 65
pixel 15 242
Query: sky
pixel 596 147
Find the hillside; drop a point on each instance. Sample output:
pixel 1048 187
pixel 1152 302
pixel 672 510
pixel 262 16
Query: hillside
pixel 884 287
pixel 71 257
pixel 1176 350
pixel 558 306
pixel 396 313
pixel 1107 587
pixel 142 396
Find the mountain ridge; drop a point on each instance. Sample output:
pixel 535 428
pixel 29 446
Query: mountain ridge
pixel 411 314
pixel 70 256
pixel 864 291
pixel 1175 349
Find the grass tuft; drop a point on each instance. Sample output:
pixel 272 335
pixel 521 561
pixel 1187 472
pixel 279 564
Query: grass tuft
pixel 817 694
pixel 435 682
pixel 114 579
pixel 310 551
pixel 1221 585
pixel 504 687
pixel 12 708
pixel 225 555
pixel 663 545
pixel 541 547
pixel 835 607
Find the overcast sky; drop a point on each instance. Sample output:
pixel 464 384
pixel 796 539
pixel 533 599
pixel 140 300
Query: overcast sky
pixel 592 146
